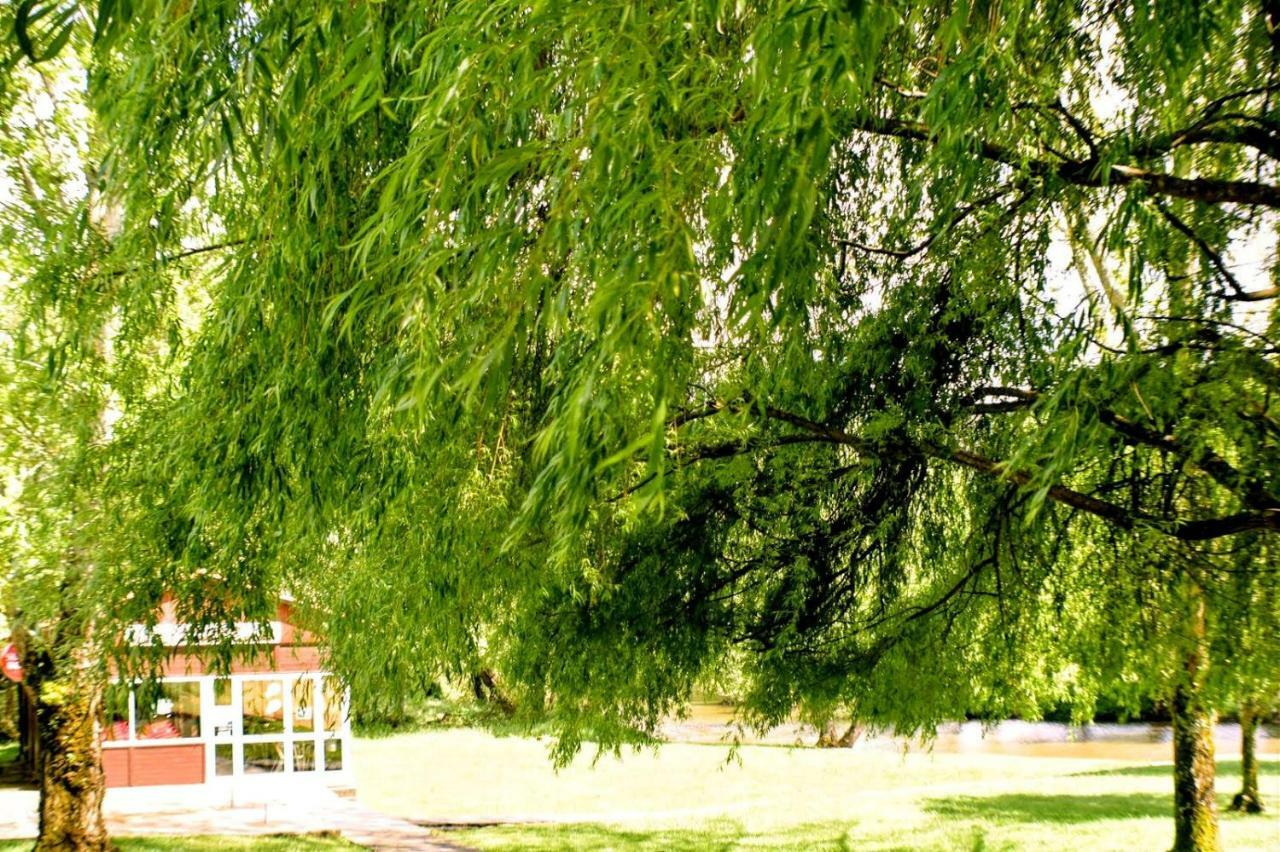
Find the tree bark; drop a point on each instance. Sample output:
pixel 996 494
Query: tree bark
pixel 1248 799
pixel 1194 803
pixel 829 735
pixel 1195 808
pixel 69 760
pixel 485 687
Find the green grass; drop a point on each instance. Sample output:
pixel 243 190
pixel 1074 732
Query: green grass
pixel 8 752
pixel 269 843
pixel 692 797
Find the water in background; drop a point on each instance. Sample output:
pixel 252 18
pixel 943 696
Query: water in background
pixel 715 723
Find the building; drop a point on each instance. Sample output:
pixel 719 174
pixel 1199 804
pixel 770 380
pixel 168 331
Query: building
pixel 277 715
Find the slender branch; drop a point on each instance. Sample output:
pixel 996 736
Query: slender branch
pixel 725 449
pixel 182 255
pixel 1271 344
pixel 1212 108
pixel 1250 491
pixel 961 214
pixel 1266 518
pixel 910 94
pixel 1085 134
pixel 1020 399
pixel 1238 292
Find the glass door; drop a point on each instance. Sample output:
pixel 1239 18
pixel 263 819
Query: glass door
pixel 262 724
pixel 263 715
pixel 223 721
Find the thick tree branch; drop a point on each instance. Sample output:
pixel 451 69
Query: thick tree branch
pixel 1242 132
pixel 1090 173
pixel 1250 491
pixel 1265 520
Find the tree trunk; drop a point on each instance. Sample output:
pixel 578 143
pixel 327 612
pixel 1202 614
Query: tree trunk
pixel 69 762
pixel 485 687
pixel 1194 802
pixel 829 735
pixel 1195 809
pixel 1248 799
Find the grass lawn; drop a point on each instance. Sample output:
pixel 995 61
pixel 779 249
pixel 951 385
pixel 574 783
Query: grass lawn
pixel 691 797
pixel 208 844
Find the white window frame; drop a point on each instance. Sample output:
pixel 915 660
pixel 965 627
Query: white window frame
pixel 318 736
pixel 134 741
pixel 288 737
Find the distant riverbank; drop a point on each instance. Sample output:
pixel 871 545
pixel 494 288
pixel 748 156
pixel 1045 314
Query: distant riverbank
pixel 715 723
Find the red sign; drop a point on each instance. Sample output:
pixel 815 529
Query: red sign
pixel 11 663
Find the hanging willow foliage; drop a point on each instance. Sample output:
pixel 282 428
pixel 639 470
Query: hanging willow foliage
pixel 600 342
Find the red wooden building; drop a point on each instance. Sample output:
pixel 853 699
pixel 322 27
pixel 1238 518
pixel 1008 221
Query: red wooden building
pixel 280 715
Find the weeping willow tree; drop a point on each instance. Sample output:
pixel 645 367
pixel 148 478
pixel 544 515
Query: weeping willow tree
pixel 90 338
pixel 603 340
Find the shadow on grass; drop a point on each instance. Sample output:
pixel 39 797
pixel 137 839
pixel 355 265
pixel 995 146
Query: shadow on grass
pixel 272 843
pixel 718 836
pixel 1025 807
pixel 1161 770
pixel 13 775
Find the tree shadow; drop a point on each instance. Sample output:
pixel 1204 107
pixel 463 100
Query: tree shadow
pixel 716 836
pixel 1026 807
pixel 13 773
pixel 1266 768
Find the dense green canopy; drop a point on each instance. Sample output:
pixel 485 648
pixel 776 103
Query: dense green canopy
pixel 600 342
pixel 916 359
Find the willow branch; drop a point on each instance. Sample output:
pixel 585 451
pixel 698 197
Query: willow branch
pixel 1091 173
pixel 181 255
pixel 1267 520
pixel 1238 293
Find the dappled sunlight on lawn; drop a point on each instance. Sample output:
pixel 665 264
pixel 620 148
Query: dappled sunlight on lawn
pixel 695 797
pixel 1016 807
pixel 469 774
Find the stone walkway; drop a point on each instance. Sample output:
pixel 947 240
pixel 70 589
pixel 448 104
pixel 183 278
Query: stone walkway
pixel 141 811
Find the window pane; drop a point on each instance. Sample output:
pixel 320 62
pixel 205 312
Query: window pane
pixel 168 710
pixel 222 692
pixel 263 757
pixel 304 708
pixel 263 706
pixel 304 757
pixel 223 762
pixel 333 694
pixel 332 755
pixel 116 704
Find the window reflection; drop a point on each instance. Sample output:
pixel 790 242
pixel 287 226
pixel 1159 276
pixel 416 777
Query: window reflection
pixel 168 710
pixel 223 762
pixel 332 704
pixel 304 756
pixel 332 755
pixel 116 707
pixel 304 708
pixel 263 702
pixel 263 757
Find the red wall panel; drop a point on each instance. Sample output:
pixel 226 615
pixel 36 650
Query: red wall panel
pixel 115 763
pixel 175 764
